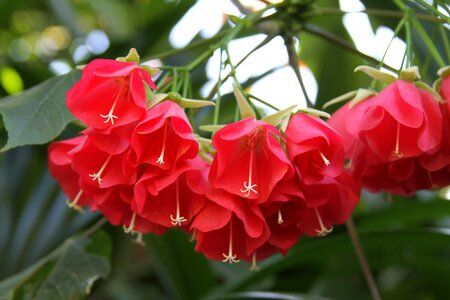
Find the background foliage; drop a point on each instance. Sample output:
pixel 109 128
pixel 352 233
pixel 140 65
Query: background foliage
pixel 49 252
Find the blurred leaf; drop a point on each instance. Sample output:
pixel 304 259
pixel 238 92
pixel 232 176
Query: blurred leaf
pixel 315 250
pixel 404 213
pixel 269 295
pixel 67 273
pixel 39 114
pixel 11 80
pixel 185 272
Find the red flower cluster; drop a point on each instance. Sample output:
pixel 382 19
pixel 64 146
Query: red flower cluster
pixel 262 199
pixel 398 140
pixel 141 169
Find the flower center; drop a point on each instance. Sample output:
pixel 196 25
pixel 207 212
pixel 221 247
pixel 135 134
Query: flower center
pixel 323 231
pixel 130 228
pixel 178 219
pixel 73 204
pixel 97 176
pixel 248 185
pixel 160 159
pixel 231 258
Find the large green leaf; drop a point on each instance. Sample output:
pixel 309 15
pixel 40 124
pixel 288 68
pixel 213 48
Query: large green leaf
pixel 39 114
pixel 67 273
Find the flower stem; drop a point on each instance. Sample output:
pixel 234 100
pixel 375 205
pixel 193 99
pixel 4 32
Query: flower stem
pixel 293 62
pixel 327 11
pixel 362 259
pixel 343 44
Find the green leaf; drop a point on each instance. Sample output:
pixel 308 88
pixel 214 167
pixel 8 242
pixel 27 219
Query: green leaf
pixel 269 295
pixel 67 273
pixel 184 272
pixel 339 99
pixel 39 114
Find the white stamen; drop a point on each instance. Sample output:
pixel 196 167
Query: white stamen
pixel 139 240
pixel 325 160
pixel 254 267
pixel 130 228
pixel 178 219
pixel 323 231
pixel 231 258
pixel 97 176
pixel 397 153
pixel 110 116
pixel 194 235
pixel 248 186
pixel 280 217
pixel 73 204
pixel 160 159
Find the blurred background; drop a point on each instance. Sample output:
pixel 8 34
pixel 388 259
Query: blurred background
pixel 407 239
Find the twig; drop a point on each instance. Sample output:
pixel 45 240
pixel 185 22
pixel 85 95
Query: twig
pixel 343 44
pixel 362 259
pixel 293 62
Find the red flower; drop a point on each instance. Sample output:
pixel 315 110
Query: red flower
pixel 328 203
pixel 163 137
pixel 402 121
pixel 228 228
pixel 110 93
pixel 314 147
pixel 249 160
pixel 60 165
pixel 172 199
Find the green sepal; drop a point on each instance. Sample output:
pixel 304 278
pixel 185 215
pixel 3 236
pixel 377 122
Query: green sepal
pixel 361 95
pixel 132 56
pixel 339 99
pixel 442 72
pixel 315 112
pixel 376 74
pixel 276 118
pixel 150 70
pixel 422 85
pixel 244 107
pixel 80 67
pixel 410 74
pixel 155 99
pixel 192 103
pixel 211 128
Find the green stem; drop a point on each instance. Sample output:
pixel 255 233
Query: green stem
pixel 191 46
pixel 263 102
pixel 446 42
pixel 293 62
pixel 217 108
pixel 433 9
pixel 362 259
pixel 408 40
pixel 260 45
pixel 343 44
pixel 326 11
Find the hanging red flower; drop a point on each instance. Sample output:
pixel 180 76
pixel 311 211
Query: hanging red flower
pixel 110 93
pixel 314 147
pixel 249 160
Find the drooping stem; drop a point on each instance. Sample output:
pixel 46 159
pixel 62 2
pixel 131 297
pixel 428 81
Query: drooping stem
pixel 343 44
pixel 293 62
pixel 330 11
pixel 217 108
pixel 362 259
